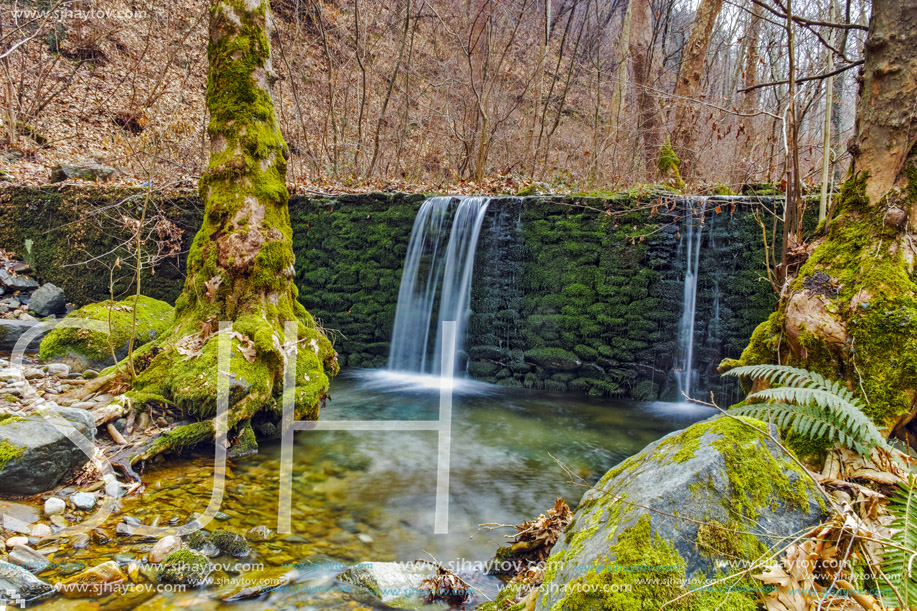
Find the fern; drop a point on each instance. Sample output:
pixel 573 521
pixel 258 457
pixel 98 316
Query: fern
pixel 811 405
pixel 901 560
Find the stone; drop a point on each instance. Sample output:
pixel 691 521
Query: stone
pixel 15 282
pixel 260 533
pixel 163 548
pixel 14 541
pixel 230 543
pixel 12 330
pixel 55 506
pixel 58 369
pixel 83 349
pixel 391 584
pixel 40 531
pixel 88 169
pixel 28 559
pixel 746 491
pixel 39 455
pixel 95 581
pixel 185 567
pixel 23 583
pixel 83 501
pixel 254 584
pixel 48 300
pixel 59 521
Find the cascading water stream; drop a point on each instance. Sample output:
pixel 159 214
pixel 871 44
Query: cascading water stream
pixel 684 361
pixel 440 253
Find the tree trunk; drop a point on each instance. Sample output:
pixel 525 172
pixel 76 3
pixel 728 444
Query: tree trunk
pixel 688 85
pixel 240 265
pixel 641 53
pixel 749 125
pixel 851 312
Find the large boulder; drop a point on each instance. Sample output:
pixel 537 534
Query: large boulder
pixel 681 512
pixel 35 453
pixel 48 300
pixel 84 349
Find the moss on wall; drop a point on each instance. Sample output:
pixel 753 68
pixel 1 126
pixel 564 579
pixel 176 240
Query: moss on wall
pixel 565 296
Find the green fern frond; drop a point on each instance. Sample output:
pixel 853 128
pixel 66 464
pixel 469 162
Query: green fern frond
pixel 901 560
pixel 810 405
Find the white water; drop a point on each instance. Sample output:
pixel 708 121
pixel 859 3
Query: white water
pixel 440 254
pixel 684 360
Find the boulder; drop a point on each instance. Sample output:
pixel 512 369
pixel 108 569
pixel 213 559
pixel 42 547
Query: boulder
pixel 48 300
pixel 627 542
pixel 11 330
pixel 88 169
pixel 82 349
pixel 36 455
pixel 391 584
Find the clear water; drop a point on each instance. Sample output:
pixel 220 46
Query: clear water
pixel 369 496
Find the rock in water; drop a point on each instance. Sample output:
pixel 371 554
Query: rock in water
pixel 28 559
pixel 96 581
pixel 747 493
pixel 163 548
pixel 185 567
pixel 48 300
pixel 36 454
pixel 22 583
pixel 55 506
pixel 83 501
pixel 392 584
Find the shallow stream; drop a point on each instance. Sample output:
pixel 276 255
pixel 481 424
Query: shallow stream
pixel 370 495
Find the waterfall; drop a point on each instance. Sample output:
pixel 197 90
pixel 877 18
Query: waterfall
pixel 440 254
pixel 684 360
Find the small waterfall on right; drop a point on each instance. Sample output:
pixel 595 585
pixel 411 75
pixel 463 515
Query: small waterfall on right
pixel 684 370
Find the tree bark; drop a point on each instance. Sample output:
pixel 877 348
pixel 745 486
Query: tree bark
pixel 641 53
pixel 851 312
pixel 240 265
pixel 687 123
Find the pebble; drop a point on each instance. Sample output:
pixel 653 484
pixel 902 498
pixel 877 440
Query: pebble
pixel 55 506
pixel 365 538
pixel 114 489
pixel 90 374
pixel 59 521
pixel 32 373
pixel 83 501
pixel 260 533
pixel 163 548
pixel 14 541
pixel 83 405
pixel 79 541
pixel 40 531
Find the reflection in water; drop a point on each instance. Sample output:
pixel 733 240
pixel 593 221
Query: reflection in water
pixel 369 496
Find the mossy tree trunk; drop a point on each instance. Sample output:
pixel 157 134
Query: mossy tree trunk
pixel 851 310
pixel 240 266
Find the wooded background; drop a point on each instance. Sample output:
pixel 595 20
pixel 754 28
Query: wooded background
pixel 579 94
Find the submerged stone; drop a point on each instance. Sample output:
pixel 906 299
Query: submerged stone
pixel 393 584
pixel 95 581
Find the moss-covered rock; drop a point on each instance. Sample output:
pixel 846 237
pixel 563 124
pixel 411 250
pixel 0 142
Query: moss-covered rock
pixel 185 567
pixel 85 349
pixel 230 543
pixel 628 548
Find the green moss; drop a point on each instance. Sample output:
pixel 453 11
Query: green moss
pixel 154 318
pixel 185 567
pixel 668 164
pixel 757 479
pixel 718 540
pixel 8 452
pixel 230 543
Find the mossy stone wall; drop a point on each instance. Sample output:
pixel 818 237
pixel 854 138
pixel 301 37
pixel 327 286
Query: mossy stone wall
pixel 579 294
